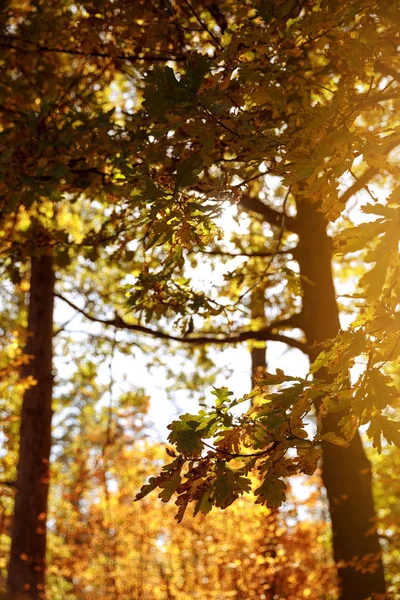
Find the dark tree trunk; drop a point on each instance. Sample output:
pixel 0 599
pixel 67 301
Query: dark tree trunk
pixel 346 472
pixel 28 547
pixel 258 349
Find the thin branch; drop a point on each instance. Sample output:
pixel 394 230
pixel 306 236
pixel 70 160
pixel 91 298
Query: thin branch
pixel 264 334
pixel 238 454
pixel 358 185
pixel 273 255
pixel 203 25
pixel 366 187
pixel 272 216
pixel 221 124
pixel 63 326
pixel 387 70
pixel 314 83
pixel 260 254
pixel 94 54
pixel 366 177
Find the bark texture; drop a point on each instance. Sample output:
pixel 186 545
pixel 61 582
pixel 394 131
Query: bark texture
pixel 346 472
pixel 28 548
pixel 258 349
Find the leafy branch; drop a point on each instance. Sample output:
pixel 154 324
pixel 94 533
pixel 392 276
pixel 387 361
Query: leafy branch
pixel 264 334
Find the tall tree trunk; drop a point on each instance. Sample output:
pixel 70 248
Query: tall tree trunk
pixel 258 349
pixel 346 472
pixel 28 546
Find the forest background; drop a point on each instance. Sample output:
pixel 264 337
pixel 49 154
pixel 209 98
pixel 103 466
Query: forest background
pixel 179 179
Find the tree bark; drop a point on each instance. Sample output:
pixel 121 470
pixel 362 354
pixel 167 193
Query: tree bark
pixel 346 472
pixel 26 571
pixel 258 349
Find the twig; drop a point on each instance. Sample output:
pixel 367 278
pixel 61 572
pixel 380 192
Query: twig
pixel 365 185
pixel 94 54
pixel 203 25
pixel 260 254
pixel 238 454
pixel 265 272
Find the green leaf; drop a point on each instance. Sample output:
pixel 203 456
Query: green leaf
pixel 199 66
pixel 284 8
pixel 309 458
pixel 222 394
pixel 271 492
pixel 186 173
pixel 287 396
pixel 380 389
pixel 186 433
pixel 301 171
pixel 187 441
pixel 245 398
pixel 224 486
pixel 375 278
pixel 380 209
pixel 204 503
pixel 374 432
pixel 228 485
pixel 151 191
pixel 182 502
pixel 338 400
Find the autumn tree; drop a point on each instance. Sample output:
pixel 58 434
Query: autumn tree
pixel 49 103
pixel 63 198
pixel 297 96
pixel 293 92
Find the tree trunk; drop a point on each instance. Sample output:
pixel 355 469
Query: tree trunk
pixel 346 472
pixel 258 349
pixel 28 546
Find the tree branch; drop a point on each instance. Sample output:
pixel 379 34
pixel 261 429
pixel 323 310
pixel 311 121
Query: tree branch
pixel 203 25
pixel 387 70
pixel 366 177
pixel 94 54
pixel 359 184
pixel 261 254
pixel 272 216
pixel 264 334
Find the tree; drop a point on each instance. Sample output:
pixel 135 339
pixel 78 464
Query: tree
pixel 48 105
pixel 301 99
pixel 63 198
pixel 297 90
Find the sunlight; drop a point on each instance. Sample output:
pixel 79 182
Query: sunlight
pixel 231 221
